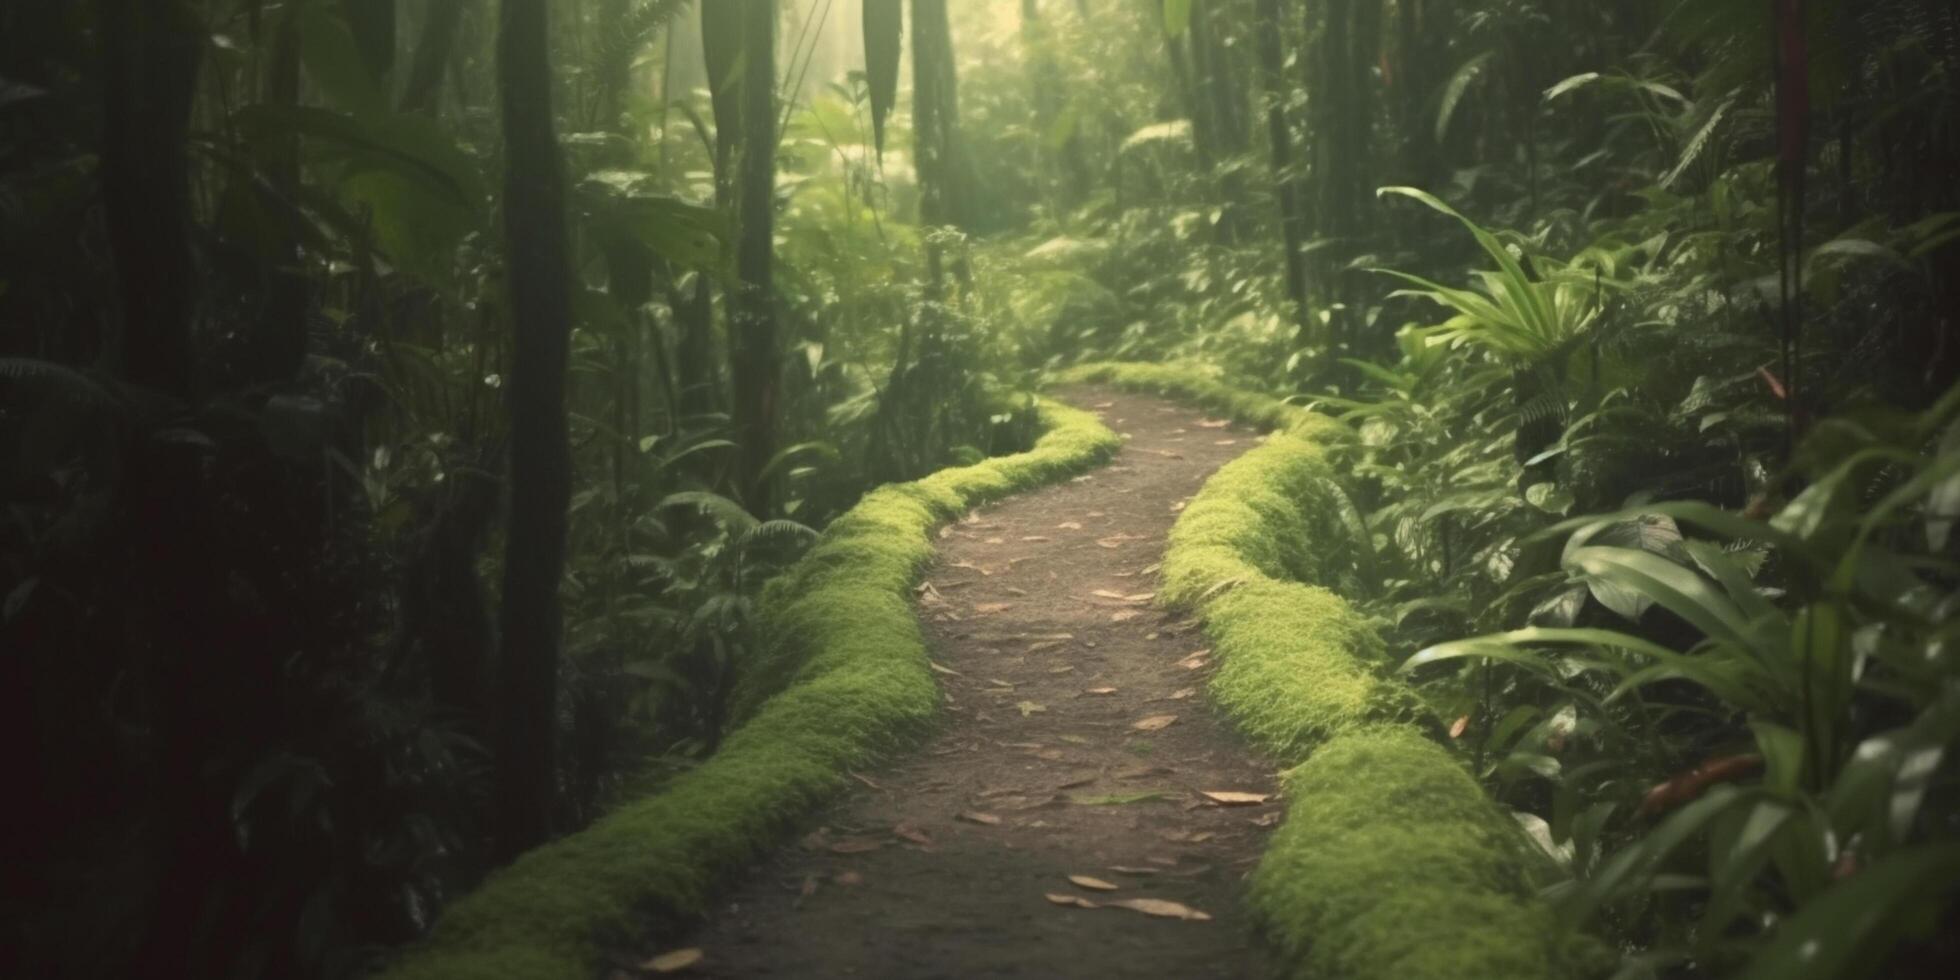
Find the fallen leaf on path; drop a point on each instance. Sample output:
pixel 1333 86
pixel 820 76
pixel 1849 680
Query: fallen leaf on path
pixel 975 816
pixel 1111 594
pixel 1235 798
pixel 809 886
pixel 1140 597
pixel 1100 690
pixel 1072 901
pixel 1104 405
pixel 1031 708
pixel 849 878
pixel 1188 837
pixel 855 846
pixel 1183 694
pixel 1226 442
pixel 1016 592
pixel 1036 538
pixel 996 540
pixel 1069 526
pixel 1269 819
pixel 988 608
pixel 1124 616
pixel 1214 423
pixel 866 780
pixel 997 682
pixel 1125 869
pixel 1063 669
pixel 1154 723
pixel 1196 660
pixel 906 831
pixel 1458 727
pixel 1077 783
pixel 1093 884
pixel 1161 908
pixel 674 962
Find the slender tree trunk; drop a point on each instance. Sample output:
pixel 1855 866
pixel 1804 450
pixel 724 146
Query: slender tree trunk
pixel 936 132
pixel 152 51
pixel 755 363
pixel 1221 97
pixel 1286 184
pixel 281 338
pixel 432 53
pixel 540 455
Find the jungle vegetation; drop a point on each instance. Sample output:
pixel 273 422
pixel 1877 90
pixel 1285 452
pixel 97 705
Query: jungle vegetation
pixel 405 403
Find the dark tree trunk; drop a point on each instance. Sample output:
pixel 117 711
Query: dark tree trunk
pixel 151 50
pixel 281 339
pixel 1222 98
pixel 754 362
pixel 432 53
pixel 945 175
pixel 1286 184
pixel 540 456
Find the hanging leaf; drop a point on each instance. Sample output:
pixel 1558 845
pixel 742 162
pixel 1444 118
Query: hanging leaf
pixel 1458 84
pixel 884 43
pixel 335 63
pixel 721 49
pixel 1177 17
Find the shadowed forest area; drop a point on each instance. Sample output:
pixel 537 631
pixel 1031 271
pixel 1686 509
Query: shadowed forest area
pixel 1336 489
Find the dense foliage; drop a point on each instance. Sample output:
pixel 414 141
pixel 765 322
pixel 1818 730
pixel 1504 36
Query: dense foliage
pixel 330 329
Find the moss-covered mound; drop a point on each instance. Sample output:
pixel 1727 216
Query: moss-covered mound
pixel 844 680
pixel 1392 862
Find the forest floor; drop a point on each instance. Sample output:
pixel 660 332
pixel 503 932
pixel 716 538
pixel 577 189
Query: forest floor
pixel 1076 742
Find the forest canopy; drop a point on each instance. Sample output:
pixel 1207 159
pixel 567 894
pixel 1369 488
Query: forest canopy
pixel 464 454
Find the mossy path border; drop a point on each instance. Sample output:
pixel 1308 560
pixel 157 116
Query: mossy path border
pixel 844 681
pixel 1392 862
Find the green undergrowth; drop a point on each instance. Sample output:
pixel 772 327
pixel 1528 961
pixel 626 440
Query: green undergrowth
pixel 844 681
pixel 1392 863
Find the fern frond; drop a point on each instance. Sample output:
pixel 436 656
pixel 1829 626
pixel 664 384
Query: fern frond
pixel 59 382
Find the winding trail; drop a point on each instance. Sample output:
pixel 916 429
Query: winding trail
pixel 1049 655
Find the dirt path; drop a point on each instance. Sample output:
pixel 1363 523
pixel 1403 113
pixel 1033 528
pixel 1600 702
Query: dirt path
pixel 1055 671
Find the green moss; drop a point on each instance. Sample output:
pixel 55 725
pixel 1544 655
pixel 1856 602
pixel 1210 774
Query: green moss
pixel 1392 862
pixel 841 680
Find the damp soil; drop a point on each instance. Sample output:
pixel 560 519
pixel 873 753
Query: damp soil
pixel 1076 742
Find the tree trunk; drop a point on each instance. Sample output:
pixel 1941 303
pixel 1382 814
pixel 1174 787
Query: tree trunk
pixel 754 362
pixel 539 273
pixel 1222 97
pixel 1286 185
pixel 280 343
pixel 432 53
pixel 152 51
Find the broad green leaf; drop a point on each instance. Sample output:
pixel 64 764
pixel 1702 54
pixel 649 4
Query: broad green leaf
pixel 1847 931
pixel 1681 591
